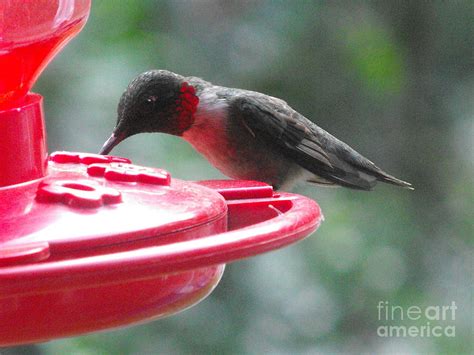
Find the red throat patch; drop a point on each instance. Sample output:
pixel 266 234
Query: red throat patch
pixel 186 106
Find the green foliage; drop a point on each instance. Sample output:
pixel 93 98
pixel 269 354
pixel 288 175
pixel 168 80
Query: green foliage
pixel 376 58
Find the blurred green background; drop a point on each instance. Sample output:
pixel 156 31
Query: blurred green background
pixel 394 79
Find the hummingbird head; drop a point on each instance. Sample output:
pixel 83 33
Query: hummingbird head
pixel 155 101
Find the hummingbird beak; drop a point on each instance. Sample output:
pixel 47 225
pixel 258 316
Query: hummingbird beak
pixel 113 140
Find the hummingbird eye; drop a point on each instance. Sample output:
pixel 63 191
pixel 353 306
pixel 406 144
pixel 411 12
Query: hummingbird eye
pixel 151 99
pixel 147 104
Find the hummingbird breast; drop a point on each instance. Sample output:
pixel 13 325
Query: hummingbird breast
pixel 230 146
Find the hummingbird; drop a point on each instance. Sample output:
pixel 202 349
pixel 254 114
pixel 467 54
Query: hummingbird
pixel 245 134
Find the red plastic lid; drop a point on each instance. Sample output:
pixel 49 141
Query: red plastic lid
pixel 95 220
pixel 89 201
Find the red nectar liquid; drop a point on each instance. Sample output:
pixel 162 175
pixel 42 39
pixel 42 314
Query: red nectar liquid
pixel 22 63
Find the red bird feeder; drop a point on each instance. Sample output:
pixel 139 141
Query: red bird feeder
pixel 90 242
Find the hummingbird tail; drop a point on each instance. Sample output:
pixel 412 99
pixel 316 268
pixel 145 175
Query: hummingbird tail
pixel 389 179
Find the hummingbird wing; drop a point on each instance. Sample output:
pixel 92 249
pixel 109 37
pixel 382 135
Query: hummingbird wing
pixel 302 141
